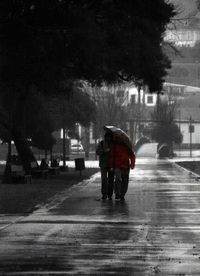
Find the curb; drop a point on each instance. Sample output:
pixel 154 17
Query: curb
pixel 196 176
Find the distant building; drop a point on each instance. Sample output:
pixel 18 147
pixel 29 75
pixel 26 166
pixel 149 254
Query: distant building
pixel 188 110
pixel 183 37
pixel 185 27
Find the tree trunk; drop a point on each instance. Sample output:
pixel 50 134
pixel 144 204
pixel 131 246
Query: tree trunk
pixel 25 153
pixel 7 172
pixel 87 142
pixel 64 147
pixel 51 155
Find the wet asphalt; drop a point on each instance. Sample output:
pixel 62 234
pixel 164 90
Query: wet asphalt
pixel 156 231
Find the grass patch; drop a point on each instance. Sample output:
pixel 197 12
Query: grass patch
pixel 193 166
pixel 22 198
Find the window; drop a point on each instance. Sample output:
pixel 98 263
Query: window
pixel 149 99
pixel 133 99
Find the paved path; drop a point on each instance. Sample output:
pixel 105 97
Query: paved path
pixel 156 231
pixel 148 150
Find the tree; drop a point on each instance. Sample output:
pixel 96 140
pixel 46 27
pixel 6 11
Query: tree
pixel 165 131
pixel 67 111
pixel 109 109
pixel 32 120
pixel 76 108
pixel 45 43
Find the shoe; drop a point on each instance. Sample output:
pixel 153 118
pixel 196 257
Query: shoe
pixel 110 197
pixel 122 198
pixel 104 197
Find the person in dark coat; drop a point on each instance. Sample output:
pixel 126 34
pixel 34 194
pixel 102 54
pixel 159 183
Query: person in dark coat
pixel 107 175
pixel 44 165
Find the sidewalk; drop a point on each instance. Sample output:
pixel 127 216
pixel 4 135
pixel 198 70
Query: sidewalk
pixel 155 231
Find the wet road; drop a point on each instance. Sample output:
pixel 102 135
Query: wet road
pixel 156 231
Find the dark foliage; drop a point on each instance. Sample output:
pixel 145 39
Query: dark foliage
pixel 167 133
pixel 107 40
pixel 77 108
pixel 165 130
pixel 44 43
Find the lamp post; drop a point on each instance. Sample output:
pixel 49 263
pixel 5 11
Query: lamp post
pixel 179 146
pixel 139 107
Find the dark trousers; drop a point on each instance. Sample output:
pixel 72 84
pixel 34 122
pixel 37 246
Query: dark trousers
pixel 107 182
pixel 121 181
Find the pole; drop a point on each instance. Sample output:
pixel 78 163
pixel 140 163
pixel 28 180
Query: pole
pixel 95 139
pixel 190 130
pixel 158 101
pixel 139 110
pixel 179 146
pixel 64 147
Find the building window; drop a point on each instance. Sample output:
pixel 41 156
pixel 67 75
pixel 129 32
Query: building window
pixel 133 99
pixel 149 99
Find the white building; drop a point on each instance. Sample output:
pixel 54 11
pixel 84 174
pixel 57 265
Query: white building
pixel 143 97
pixel 183 37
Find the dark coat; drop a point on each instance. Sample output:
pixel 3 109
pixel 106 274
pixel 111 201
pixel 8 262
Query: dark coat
pixel 103 152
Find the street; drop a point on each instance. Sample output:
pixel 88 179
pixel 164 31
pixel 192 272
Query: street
pixel 156 231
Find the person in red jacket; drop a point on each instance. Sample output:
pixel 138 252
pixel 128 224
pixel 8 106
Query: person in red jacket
pixel 121 160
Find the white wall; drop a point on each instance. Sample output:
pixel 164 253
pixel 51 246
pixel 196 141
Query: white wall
pixel 154 98
pixel 186 135
pixel 134 91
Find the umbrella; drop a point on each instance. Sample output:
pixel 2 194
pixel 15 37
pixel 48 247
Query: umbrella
pixel 120 135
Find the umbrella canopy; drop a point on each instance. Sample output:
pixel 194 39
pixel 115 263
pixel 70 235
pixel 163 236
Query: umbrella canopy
pixel 120 135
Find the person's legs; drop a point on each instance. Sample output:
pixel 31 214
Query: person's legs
pixel 110 183
pixel 125 180
pixel 118 180
pixel 104 183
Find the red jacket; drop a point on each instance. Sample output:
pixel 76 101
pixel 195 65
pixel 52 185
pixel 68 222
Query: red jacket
pixel 121 157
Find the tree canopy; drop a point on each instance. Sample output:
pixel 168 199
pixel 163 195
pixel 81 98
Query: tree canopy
pixel 77 108
pixel 105 40
pixel 49 44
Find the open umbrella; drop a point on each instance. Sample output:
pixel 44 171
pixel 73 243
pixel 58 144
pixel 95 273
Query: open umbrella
pixel 120 135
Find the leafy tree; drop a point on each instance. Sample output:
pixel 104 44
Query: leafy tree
pixel 44 43
pixel 165 130
pixel 66 111
pixel 93 40
pixel 32 119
